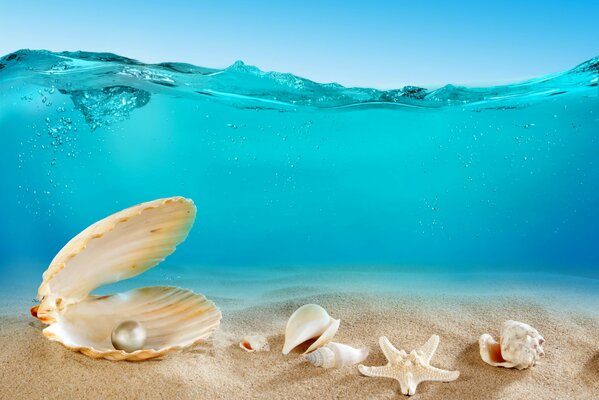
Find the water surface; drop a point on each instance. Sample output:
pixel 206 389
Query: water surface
pixel 289 173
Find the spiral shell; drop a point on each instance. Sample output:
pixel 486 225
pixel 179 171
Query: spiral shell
pixel 520 346
pixel 336 355
pixel 323 357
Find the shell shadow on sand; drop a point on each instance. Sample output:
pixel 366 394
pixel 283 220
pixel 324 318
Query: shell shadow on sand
pixel 474 372
pixel 297 373
pixel 293 366
pixel 590 374
pixel 37 325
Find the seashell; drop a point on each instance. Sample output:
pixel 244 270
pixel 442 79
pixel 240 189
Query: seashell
pixel 118 247
pixel 254 343
pixel 336 355
pixel 520 346
pixel 308 322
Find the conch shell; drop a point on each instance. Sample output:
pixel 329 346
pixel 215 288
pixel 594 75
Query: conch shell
pixel 308 322
pixel 520 346
pixel 118 247
pixel 253 343
pixel 336 355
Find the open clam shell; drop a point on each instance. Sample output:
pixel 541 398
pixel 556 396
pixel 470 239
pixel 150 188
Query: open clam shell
pixel 118 247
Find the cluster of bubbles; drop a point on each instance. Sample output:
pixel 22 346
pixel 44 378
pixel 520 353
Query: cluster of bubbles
pixel 103 107
pixel 57 135
pixel 61 133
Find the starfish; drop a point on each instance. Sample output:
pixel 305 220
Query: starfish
pixel 410 369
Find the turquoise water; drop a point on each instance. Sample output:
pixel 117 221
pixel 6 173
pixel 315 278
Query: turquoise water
pixel 291 173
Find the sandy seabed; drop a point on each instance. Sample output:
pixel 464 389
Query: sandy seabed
pixel 31 367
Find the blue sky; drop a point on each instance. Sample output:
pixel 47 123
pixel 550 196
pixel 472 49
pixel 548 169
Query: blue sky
pixel 358 43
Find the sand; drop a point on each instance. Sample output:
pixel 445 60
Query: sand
pixel 31 367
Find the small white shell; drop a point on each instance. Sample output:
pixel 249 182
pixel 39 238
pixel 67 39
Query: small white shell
pixel 253 343
pixel 336 355
pixel 520 346
pixel 308 322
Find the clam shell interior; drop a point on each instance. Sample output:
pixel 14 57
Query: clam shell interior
pixel 174 318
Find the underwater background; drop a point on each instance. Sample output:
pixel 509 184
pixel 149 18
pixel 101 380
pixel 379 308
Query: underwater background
pixel 292 174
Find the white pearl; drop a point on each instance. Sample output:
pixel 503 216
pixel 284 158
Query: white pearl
pixel 128 336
